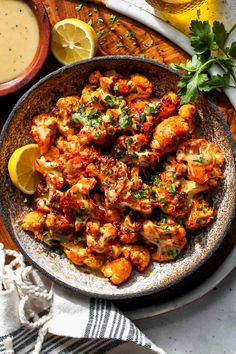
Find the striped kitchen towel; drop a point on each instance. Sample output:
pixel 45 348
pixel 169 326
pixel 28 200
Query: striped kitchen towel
pixel 39 317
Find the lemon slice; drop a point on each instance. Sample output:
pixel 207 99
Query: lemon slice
pixel 73 40
pixel 21 168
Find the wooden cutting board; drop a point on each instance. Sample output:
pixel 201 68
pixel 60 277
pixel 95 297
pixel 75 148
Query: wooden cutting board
pixel 118 35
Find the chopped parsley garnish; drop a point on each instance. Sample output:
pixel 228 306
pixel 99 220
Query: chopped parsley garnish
pixel 100 20
pixel 164 228
pixel 79 219
pixel 115 88
pixel 111 19
pixel 142 193
pixel 143 117
pixel 171 189
pixel 106 171
pixel 150 109
pixel 125 121
pixel 128 142
pixel 119 45
pixel 93 114
pixel 78 7
pixel 110 102
pixel 201 159
pixel 99 34
pixel 130 35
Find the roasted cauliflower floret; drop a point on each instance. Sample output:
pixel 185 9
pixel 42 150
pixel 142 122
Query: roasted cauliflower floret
pixel 117 271
pixel 166 106
pixel 101 239
pixel 81 256
pixel 129 230
pixel 174 167
pixel 168 196
pixel 49 165
pixel 137 200
pixel 192 188
pixel 82 187
pixel 44 131
pixel 201 214
pixel 137 87
pixel 76 159
pixel 34 221
pixel 133 150
pixel 172 131
pixel 168 237
pixel 138 255
pixel 63 110
pixel 141 87
pixel 94 77
pixel 113 177
pixel 57 222
pixel 204 160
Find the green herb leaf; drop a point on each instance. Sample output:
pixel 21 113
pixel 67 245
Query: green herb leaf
pixel 111 19
pixel 99 34
pixel 171 190
pixel 232 50
pixel 125 121
pixel 221 35
pixel 201 159
pixel 78 7
pixel 201 37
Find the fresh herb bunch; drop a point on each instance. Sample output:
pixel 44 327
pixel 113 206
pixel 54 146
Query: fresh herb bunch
pixel 210 45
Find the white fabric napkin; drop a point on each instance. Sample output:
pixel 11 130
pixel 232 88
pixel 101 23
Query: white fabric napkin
pixel 39 317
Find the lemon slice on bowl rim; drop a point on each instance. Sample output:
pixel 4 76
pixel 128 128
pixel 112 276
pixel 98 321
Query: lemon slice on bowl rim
pixel 21 168
pixel 73 40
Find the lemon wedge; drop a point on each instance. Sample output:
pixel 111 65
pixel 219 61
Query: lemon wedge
pixel 73 40
pixel 21 168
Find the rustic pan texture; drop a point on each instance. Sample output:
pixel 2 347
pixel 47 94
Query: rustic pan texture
pixel 67 81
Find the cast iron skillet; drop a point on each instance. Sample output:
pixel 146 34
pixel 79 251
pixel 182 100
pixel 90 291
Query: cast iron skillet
pixel 69 80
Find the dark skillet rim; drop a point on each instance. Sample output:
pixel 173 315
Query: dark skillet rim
pixel 134 294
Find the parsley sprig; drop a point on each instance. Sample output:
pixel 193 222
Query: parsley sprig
pixel 210 46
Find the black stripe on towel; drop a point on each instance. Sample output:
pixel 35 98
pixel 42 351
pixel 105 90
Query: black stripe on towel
pixel 77 344
pixel 82 349
pixel 108 346
pixel 52 345
pixel 103 312
pixel 97 319
pixel 91 317
pixel 98 343
pixel 106 319
pixel 113 324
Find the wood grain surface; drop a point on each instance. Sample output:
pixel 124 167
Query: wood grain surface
pixel 118 35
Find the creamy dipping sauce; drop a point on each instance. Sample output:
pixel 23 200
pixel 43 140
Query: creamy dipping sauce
pixel 19 38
